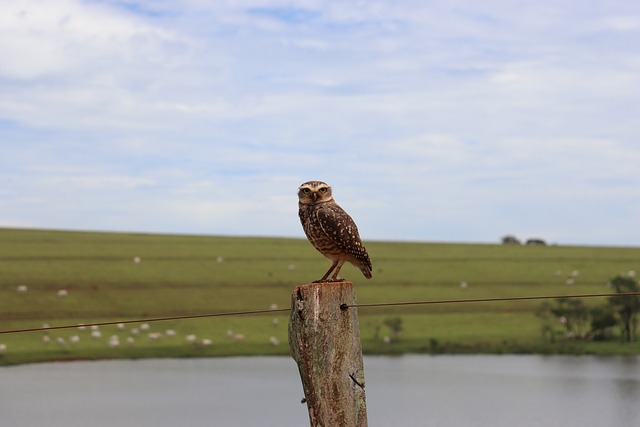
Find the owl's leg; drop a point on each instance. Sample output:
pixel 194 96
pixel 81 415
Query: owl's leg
pixel 335 278
pixel 337 264
pixel 324 278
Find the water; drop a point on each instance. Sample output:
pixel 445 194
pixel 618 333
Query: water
pixel 401 391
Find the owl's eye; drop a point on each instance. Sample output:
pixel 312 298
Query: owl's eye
pixel 306 191
pixel 323 190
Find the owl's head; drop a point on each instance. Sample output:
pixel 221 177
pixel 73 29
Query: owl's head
pixel 313 192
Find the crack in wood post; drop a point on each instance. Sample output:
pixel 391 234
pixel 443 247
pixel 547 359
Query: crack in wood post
pixel 353 378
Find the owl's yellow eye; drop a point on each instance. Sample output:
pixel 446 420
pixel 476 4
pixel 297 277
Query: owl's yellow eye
pixel 323 189
pixel 306 191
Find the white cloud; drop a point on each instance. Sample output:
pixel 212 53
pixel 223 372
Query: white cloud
pixel 72 64
pixel 44 39
pixel 623 23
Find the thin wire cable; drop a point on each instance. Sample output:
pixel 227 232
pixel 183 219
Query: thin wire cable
pixel 475 300
pixel 342 306
pixel 147 320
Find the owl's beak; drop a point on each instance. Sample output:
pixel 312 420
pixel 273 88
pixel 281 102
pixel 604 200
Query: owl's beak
pixel 314 195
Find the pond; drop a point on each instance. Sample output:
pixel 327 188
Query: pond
pixel 266 391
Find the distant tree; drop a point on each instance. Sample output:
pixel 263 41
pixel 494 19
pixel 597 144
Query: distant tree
pixel 510 239
pixel 536 241
pixel 626 307
pixel 572 315
pixel 603 319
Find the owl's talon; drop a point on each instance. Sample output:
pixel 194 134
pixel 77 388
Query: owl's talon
pixel 338 280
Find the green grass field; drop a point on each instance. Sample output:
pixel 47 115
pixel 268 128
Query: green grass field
pixel 182 275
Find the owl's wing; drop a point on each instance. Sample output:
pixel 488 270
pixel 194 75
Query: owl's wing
pixel 338 226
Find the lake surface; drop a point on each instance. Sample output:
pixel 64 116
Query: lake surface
pixel 266 391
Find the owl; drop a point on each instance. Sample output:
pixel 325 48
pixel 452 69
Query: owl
pixel 331 230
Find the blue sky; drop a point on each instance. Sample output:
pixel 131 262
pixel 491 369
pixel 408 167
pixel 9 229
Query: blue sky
pixel 455 121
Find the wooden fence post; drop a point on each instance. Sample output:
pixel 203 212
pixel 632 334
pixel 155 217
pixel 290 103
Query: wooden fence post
pixel 325 343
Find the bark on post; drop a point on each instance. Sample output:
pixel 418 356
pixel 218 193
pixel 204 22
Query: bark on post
pixel 325 343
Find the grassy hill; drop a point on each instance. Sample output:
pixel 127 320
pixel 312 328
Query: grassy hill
pixel 62 277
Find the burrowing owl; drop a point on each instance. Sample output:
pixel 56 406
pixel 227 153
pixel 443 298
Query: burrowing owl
pixel 331 230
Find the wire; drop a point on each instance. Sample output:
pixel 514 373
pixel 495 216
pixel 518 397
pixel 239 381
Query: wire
pixel 342 307
pixel 148 320
pixel 473 300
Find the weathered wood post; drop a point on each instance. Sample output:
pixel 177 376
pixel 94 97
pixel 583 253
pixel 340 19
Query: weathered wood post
pixel 325 343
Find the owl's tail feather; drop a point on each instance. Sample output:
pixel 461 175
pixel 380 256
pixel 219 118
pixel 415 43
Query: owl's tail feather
pixel 366 270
